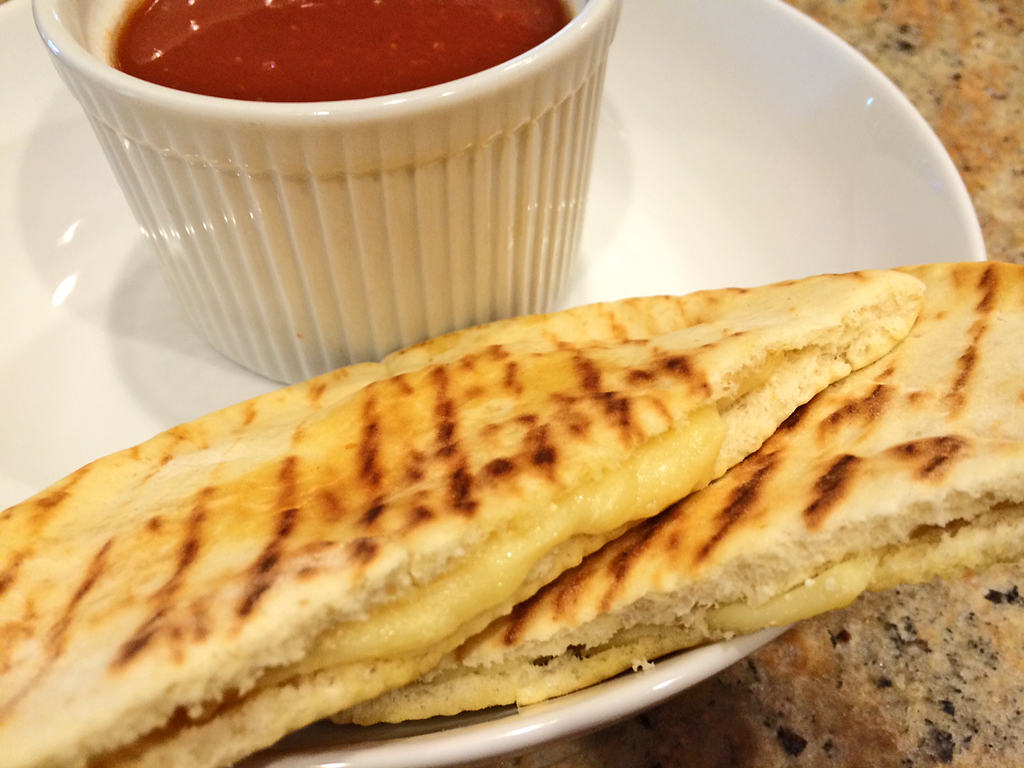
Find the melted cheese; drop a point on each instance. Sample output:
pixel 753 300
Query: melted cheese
pixel 659 473
pixel 835 588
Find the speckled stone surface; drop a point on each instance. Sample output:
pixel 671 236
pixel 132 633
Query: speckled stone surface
pixel 918 676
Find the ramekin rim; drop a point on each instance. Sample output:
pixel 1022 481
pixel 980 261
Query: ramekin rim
pixel 63 45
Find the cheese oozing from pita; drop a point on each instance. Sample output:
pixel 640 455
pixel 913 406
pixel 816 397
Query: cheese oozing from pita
pixel 668 467
pixel 834 588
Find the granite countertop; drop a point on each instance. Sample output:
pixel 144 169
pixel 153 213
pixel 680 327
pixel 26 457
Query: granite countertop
pixel 917 676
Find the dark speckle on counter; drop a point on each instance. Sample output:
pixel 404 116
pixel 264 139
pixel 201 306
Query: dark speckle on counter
pixel 791 743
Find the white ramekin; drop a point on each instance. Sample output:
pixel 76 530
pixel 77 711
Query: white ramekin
pixel 301 237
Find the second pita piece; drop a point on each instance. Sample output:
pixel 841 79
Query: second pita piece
pixel 909 469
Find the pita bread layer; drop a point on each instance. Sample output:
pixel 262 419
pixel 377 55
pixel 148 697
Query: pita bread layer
pixel 908 469
pixel 182 602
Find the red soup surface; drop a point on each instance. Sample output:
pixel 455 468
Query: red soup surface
pixel 323 50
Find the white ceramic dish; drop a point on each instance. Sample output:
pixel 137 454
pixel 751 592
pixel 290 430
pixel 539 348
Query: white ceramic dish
pixel 739 144
pixel 301 237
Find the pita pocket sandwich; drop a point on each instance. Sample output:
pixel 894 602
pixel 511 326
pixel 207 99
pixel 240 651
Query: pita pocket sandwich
pixel 908 469
pixel 191 600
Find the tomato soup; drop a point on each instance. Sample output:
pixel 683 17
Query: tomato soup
pixel 324 50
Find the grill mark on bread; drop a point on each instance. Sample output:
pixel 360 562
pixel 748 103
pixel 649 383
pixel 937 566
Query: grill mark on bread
pixel 864 409
pixel 681 367
pixel 461 482
pixel 512 381
pixel 520 614
pixel 460 491
pixel 742 500
pixel 794 418
pixel 988 283
pixel 966 363
pixel 988 286
pixel 618 409
pixel 46 505
pixel 444 414
pixel 589 374
pixel 916 397
pixel 10 573
pixel 570 416
pixel 163 598
pixel 419 515
pixel 632 548
pixel 578 424
pixel 310 551
pixel 362 550
pixel 164 459
pixel 192 433
pixel 567 592
pixel 615 329
pixel 830 488
pixel 415 466
pixel 402 382
pixel 932 456
pixel 374 511
pixel 446 435
pixel 140 639
pixel 639 376
pixel 541 451
pixel 249 414
pixel 263 572
pixel 369 446
pixel 316 390
pixel 330 505
pixel 13 633
pixel 498 468
pixel 56 638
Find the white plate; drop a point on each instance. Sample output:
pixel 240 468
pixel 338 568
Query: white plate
pixel 740 144
pixel 500 731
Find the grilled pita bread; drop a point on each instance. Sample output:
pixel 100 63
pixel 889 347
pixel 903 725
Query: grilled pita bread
pixel 908 469
pixel 192 599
